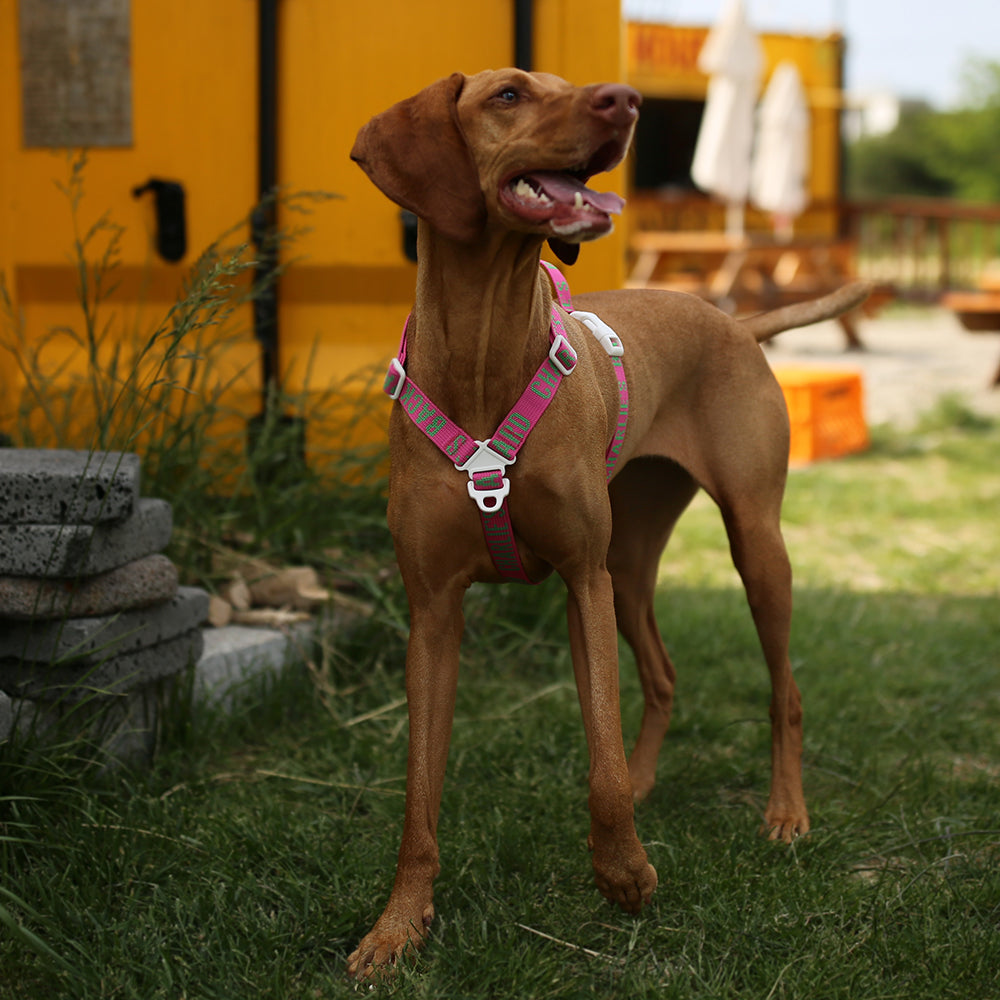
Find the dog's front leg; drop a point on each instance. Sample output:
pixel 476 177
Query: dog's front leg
pixel 621 868
pixel 431 678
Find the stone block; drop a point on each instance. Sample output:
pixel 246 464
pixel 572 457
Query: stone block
pixel 63 550
pixel 18 717
pixel 41 486
pixel 112 730
pixel 72 683
pixel 90 640
pixel 138 584
pixel 235 654
pixel 6 717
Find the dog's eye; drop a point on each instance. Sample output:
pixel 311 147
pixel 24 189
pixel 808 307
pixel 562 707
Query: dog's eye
pixel 507 95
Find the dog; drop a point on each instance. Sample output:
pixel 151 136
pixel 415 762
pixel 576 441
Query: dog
pixel 650 396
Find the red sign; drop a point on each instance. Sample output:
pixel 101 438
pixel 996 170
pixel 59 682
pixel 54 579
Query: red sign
pixel 665 49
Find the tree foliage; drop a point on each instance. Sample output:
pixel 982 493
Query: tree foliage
pixel 943 154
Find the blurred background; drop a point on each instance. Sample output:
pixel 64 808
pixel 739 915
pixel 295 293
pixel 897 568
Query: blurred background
pixel 781 150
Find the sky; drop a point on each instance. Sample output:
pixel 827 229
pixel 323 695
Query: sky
pixel 909 48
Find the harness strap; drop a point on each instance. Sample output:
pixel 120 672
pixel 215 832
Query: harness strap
pixel 613 346
pixel 618 439
pixel 485 462
pixel 561 285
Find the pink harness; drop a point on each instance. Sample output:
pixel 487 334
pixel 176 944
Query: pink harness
pixel 486 462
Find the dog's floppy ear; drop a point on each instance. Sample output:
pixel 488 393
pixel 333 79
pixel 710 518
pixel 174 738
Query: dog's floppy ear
pixel 417 155
pixel 566 252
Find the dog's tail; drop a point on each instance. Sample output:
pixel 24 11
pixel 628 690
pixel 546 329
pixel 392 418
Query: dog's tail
pixel 766 325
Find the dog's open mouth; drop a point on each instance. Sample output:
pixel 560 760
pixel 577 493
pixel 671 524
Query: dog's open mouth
pixel 561 201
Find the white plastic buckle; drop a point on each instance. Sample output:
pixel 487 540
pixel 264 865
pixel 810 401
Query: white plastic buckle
pixel 606 337
pixel 558 344
pixel 395 368
pixel 485 459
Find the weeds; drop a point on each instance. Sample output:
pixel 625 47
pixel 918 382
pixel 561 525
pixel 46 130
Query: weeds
pixel 178 393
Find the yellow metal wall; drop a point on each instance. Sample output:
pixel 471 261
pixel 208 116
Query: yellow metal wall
pixel 194 120
pixel 356 287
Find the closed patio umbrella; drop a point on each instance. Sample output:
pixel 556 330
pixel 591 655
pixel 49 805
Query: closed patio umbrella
pixel 779 178
pixel 732 58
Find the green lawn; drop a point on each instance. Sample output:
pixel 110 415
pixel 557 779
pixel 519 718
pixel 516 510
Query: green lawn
pixel 259 848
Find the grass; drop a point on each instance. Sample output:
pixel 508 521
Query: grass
pixel 249 860
pixel 260 846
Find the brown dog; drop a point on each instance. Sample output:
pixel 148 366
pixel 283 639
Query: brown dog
pixel 495 164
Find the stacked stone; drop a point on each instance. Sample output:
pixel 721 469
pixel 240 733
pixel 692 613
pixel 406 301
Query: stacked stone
pixel 90 608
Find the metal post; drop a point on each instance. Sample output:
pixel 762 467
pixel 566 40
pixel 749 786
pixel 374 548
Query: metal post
pixel 264 219
pixel 524 34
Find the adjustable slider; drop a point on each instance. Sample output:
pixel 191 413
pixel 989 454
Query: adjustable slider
pixel 395 377
pixel 562 355
pixel 606 337
pixel 489 489
pixel 487 485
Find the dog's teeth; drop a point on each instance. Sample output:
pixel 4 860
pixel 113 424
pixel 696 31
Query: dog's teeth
pixel 524 190
pixel 578 200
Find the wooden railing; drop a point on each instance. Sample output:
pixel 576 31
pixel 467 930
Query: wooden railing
pixel 918 247
pixel 923 247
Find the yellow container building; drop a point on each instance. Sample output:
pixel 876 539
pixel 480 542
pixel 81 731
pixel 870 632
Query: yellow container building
pixel 169 90
pixel 213 100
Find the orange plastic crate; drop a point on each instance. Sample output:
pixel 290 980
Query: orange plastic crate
pixel 826 413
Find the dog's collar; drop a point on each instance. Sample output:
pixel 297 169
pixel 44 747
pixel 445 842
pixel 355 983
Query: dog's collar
pixel 486 462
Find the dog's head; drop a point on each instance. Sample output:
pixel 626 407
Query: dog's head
pixel 504 148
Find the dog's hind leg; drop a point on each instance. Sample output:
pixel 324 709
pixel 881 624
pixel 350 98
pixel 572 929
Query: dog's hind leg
pixel 647 498
pixel 760 557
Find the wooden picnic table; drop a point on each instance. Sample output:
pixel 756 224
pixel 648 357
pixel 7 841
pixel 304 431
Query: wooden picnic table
pixel 978 312
pixel 751 272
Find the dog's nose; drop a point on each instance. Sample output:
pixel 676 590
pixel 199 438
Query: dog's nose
pixel 616 103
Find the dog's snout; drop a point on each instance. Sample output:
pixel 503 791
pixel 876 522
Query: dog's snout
pixel 616 102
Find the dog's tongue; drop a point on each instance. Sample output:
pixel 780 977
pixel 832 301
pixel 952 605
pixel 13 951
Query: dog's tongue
pixel 564 188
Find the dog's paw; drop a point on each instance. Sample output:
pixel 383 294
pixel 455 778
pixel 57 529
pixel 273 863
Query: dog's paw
pixel 785 828
pixel 627 879
pixel 394 936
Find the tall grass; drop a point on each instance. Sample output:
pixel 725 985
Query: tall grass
pixel 182 389
pixel 177 389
